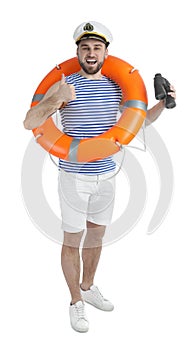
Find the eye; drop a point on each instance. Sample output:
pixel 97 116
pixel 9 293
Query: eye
pixel 84 48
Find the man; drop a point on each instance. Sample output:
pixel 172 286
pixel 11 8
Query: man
pixel 88 103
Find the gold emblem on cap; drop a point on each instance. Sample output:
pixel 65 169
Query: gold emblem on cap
pixel 88 27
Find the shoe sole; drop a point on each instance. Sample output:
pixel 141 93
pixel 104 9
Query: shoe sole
pixel 79 330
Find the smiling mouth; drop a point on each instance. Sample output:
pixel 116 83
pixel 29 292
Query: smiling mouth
pixel 91 62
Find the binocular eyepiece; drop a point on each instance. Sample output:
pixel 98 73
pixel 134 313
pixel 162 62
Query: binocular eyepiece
pixel 162 88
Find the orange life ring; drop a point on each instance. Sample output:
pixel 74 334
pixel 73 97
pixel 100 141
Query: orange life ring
pixel 135 102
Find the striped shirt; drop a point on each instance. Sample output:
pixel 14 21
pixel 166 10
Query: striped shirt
pixel 93 112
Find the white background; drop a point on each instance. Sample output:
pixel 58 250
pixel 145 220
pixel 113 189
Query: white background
pixel 150 279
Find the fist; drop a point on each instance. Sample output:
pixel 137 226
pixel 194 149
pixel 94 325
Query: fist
pixel 65 92
pixel 172 92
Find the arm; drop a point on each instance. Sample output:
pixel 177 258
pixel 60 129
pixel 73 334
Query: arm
pixel 155 112
pixel 58 94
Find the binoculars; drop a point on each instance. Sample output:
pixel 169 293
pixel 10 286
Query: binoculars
pixel 162 88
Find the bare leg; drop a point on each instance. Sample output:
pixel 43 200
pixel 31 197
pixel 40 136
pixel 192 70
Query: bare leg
pixel 70 260
pixel 91 251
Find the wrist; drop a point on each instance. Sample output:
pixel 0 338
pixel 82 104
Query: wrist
pixel 161 105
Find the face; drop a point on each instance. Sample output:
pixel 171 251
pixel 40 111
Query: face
pixel 91 55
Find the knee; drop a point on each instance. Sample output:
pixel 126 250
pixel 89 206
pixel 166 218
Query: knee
pixel 72 241
pixel 95 234
pixel 95 231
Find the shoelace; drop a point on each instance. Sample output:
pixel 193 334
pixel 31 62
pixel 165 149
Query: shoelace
pixel 98 295
pixel 80 311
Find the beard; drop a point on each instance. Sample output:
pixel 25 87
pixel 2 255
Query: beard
pixel 91 69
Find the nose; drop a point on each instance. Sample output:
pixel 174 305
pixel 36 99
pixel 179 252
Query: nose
pixel 90 51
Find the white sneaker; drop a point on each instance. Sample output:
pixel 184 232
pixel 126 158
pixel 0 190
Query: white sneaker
pixel 95 298
pixel 78 317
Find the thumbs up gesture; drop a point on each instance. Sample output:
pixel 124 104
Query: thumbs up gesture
pixel 65 92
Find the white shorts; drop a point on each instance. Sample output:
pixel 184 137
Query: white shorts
pixel 85 198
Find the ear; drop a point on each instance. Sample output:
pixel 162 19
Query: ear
pixel 77 51
pixel 106 53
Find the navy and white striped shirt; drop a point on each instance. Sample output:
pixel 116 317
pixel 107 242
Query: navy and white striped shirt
pixel 92 113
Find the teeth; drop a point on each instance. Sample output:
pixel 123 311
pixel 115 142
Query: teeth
pixel 91 61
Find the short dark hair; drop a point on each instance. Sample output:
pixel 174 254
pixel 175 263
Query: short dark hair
pixel 93 36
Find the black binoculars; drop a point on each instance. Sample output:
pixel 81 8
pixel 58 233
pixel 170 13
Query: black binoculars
pixel 162 88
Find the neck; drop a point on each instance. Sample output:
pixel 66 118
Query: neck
pixel 95 76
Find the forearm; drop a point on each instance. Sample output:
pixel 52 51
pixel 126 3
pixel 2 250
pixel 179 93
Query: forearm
pixel 38 114
pixel 58 95
pixel 154 113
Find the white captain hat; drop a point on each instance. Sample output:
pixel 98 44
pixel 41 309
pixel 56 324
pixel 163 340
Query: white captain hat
pixel 92 30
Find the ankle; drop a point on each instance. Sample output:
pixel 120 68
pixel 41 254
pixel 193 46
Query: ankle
pixel 86 286
pixel 74 301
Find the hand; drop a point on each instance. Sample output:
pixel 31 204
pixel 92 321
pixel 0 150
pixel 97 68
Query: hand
pixel 172 92
pixel 65 92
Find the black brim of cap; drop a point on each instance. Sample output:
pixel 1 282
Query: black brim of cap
pixel 92 36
